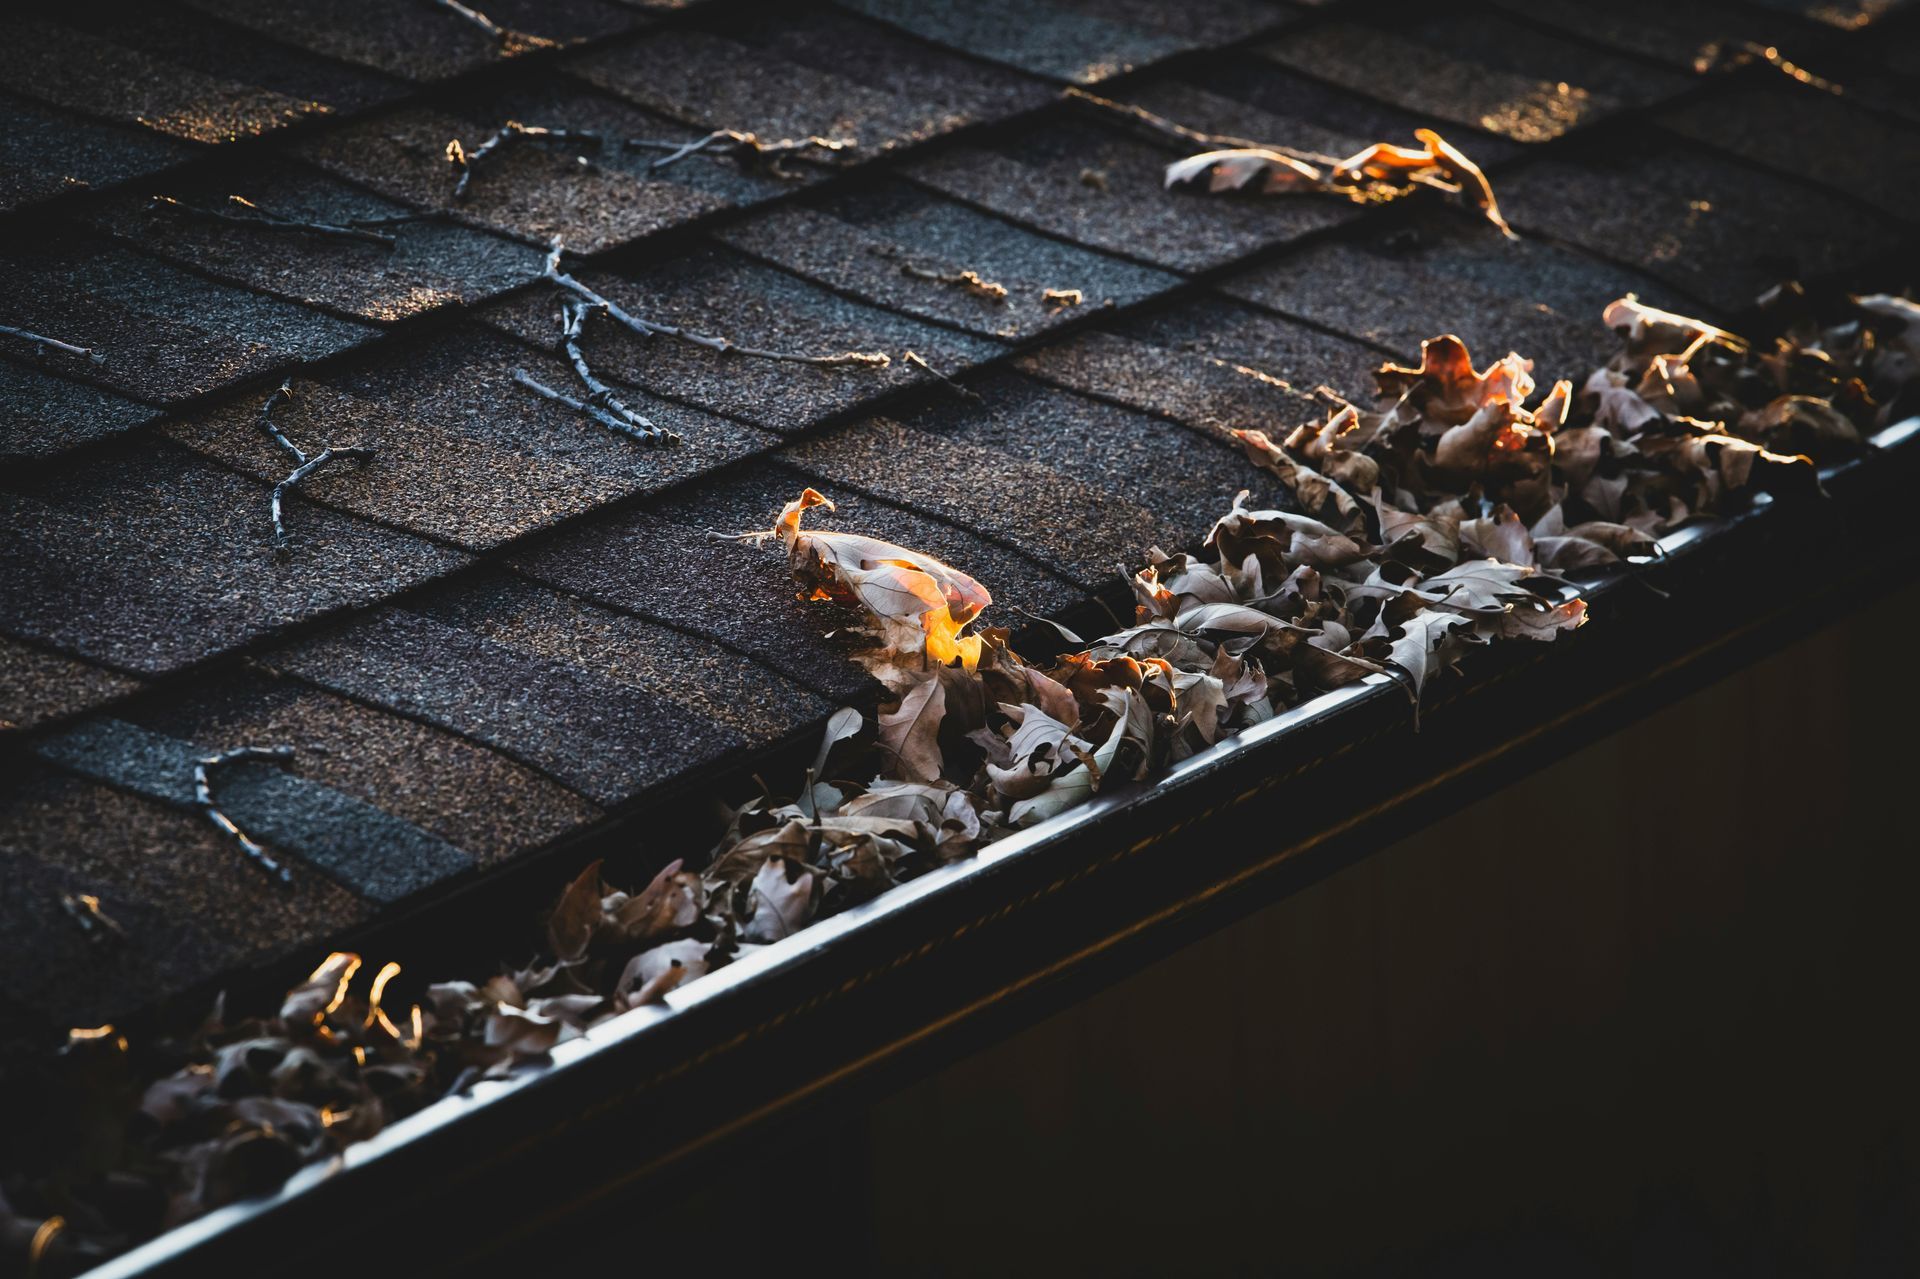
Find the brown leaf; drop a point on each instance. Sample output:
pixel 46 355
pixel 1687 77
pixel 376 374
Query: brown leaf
pixel 910 732
pixel 576 915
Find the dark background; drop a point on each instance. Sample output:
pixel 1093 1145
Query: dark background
pixel 1648 1010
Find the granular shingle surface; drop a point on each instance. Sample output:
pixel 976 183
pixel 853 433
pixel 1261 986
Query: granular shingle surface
pixel 512 625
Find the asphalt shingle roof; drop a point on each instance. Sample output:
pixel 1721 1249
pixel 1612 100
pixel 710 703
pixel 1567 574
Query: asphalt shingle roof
pixel 511 621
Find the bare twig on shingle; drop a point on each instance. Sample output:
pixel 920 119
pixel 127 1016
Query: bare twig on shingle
pixel 1716 56
pixel 915 360
pixel 84 909
pixel 53 343
pixel 971 281
pixel 203 796
pixel 1062 297
pixel 627 423
pixel 464 160
pixel 251 214
pixel 304 465
pixel 750 149
pixel 474 16
pixel 1181 133
pixel 648 328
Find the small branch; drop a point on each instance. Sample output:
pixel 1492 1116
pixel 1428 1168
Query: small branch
pixel 648 328
pixel 303 465
pixel 1062 297
pixel 474 16
pixel 203 796
pixel 464 160
pixel 914 360
pixel 573 325
pixel 971 281
pixel 256 216
pixel 54 343
pixel 84 910
pixel 749 148
pixel 645 434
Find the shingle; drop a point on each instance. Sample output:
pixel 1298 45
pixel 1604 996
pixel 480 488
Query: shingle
pixel 148 558
pixel 1707 225
pixel 1848 15
pixel 430 264
pixel 716 83
pixel 1273 346
pixel 161 333
pixel 531 189
pixel 46 152
pixel 418 773
pixel 88 74
pixel 864 241
pixel 422 41
pixel 41 415
pixel 661 563
pixel 1477 69
pixel 924 78
pixel 1675 34
pixel 37 686
pixel 692 673
pixel 1812 135
pixel 1082 42
pixel 189 905
pixel 589 729
pixel 363 848
pixel 213 48
pixel 1185 382
pixel 1102 187
pixel 715 292
pixel 1454 275
pixel 464 454
pixel 1078 485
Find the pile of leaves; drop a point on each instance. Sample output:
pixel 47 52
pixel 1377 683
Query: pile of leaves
pixel 1445 516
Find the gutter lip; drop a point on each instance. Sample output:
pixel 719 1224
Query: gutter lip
pixel 178 1244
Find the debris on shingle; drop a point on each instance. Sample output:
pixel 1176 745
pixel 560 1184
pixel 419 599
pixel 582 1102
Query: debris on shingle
pixel 82 72
pixel 186 916
pixel 711 291
pixel 47 152
pixel 418 773
pixel 304 463
pixel 532 192
pixel 1080 42
pixel 1799 131
pixel 1676 34
pixel 1476 70
pixel 37 686
pixel 902 247
pixel 580 722
pixel 1708 225
pixel 1036 179
pixel 660 562
pixel 368 851
pixel 421 40
pixel 1397 287
pixel 464 160
pixel 148 558
pixel 402 265
pixel 164 334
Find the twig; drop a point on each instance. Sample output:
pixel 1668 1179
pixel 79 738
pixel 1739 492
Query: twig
pixel 203 796
pixel 304 465
pixel 601 404
pixel 644 434
pixel 648 328
pixel 1062 297
pixel 1168 128
pixel 257 216
pixel 1715 55
pixel 464 160
pixel 55 343
pixel 474 16
pixel 84 910
pixel 750 148
pixel 971 281
pixel 915 361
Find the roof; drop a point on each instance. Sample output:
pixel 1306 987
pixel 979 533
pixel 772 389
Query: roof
pixel 510 623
